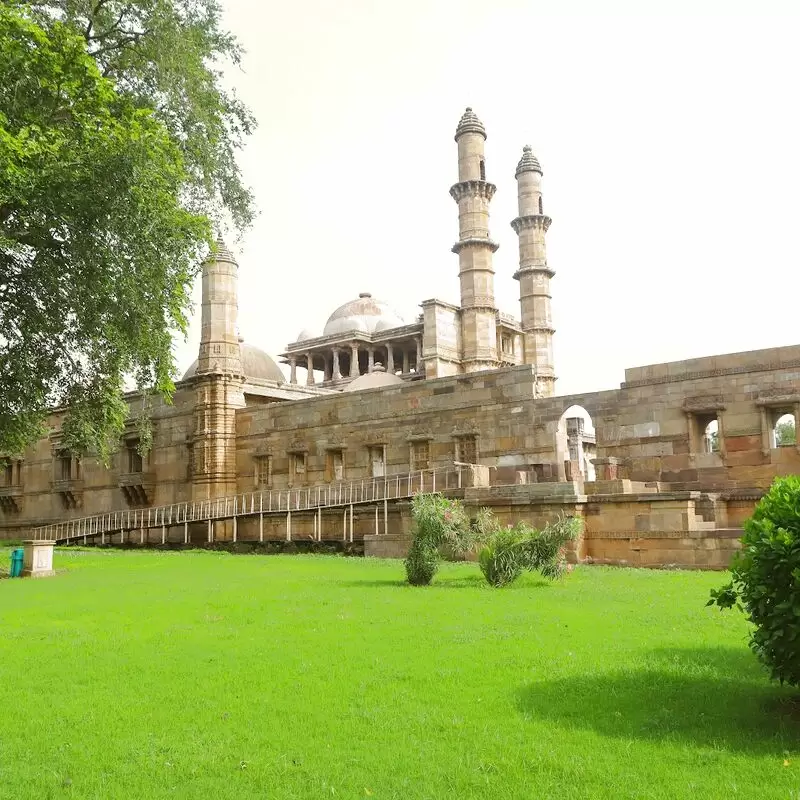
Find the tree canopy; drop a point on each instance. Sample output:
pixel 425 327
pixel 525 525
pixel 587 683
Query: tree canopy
pixel 117 145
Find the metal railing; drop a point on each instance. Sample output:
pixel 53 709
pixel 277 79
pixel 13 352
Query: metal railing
pixel 276 501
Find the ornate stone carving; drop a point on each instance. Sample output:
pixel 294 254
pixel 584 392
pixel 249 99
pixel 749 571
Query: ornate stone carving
pixel 458 191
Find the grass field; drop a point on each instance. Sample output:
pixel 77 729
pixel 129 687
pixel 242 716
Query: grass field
pixel 206 675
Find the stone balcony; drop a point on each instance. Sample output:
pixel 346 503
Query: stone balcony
pixel 138 488
pixel 10 499
pixel 70 491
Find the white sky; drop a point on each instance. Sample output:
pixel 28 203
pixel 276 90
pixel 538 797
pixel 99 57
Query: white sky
pixel 670 147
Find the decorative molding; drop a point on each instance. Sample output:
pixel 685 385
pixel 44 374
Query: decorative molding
pixel 707 403
pixel 713 373
pixel 534 268
pixel 476 241
pixel 481 303
pixel 774 398
pixel 420 436
pixel 539 329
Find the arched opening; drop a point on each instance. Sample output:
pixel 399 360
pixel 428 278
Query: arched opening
pixel 541 205
pixel 784 432
pixel 576 447
pixel 711 437
pixel 483 170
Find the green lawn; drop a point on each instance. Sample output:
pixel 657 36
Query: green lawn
pixel 207 675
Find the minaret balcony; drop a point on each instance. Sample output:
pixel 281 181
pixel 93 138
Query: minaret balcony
pixel 531 221
pixel 531 268
pixel 475 241
pixel 459 191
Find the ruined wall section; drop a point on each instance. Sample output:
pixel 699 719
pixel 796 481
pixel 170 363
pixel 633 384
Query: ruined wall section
pixel 47 493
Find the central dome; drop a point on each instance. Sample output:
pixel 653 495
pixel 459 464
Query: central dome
pixel 365 315
pixel 255 364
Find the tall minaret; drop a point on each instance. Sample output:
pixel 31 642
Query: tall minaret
pixel 475 248
pixel 219 340
pixel 218 380
pixel 534 274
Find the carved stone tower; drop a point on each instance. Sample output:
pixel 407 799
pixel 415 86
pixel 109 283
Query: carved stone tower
pixel 475 248
pixel 218 380
pixel 534 274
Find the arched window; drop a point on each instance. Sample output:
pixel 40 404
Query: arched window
pixel 577 444
pixel 483 170
pixel 711 437
pixel 785 431
pixel 541 206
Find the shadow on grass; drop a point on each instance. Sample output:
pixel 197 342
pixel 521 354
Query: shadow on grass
pixel 451 582
pixel 715 697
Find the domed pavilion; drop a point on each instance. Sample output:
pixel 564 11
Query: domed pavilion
pixel 357 336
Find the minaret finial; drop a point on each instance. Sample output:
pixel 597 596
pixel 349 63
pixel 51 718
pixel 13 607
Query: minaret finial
pixel 528 162
pixel 469 123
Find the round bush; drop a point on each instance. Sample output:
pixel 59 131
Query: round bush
pixel 766 580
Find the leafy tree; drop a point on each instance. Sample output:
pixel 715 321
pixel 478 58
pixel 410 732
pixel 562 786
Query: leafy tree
pixel 765 580
pixel 117 149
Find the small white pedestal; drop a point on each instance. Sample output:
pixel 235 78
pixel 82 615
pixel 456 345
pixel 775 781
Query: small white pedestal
pixel 38 558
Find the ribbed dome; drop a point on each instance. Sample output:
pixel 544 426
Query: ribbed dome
pixel 374 380
pixel 221 252
pixel 255 363
pixel 528 162
pixel 470 123
pixel 365 314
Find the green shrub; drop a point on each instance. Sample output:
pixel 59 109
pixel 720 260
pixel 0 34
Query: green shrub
pixel 503 558
pixel 510 551
pixel 766 580
pixel 548 549
pixel 437 521
pixel 422 563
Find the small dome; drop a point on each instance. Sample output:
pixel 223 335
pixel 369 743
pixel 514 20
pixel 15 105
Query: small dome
pixel 364 315
pixel 470 123
pixel 304 334
pixel 377 379
pixel 255 364
pixel 528 162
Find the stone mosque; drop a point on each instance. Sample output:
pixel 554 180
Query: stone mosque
pixel 670 465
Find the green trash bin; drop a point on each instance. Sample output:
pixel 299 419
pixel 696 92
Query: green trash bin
pixel 17 557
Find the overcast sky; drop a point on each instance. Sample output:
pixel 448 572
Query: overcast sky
pixel 670 147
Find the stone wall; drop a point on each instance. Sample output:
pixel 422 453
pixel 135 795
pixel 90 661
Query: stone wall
pixel 658 496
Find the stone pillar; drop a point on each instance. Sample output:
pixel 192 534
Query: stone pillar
pixel 608 468
pixel 390 360
pixel 310 368
pixel 474 248
pixel 534 274
pixel 419 365
pixel 337 375
pixel 406 366
pixel 371 362
pixel 292 370
pixel 354 370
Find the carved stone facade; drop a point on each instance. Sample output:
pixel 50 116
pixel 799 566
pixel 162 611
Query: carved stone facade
pixel 662 470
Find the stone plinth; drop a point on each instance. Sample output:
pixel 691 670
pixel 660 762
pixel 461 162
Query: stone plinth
pixel 38 558
pixel 387 545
